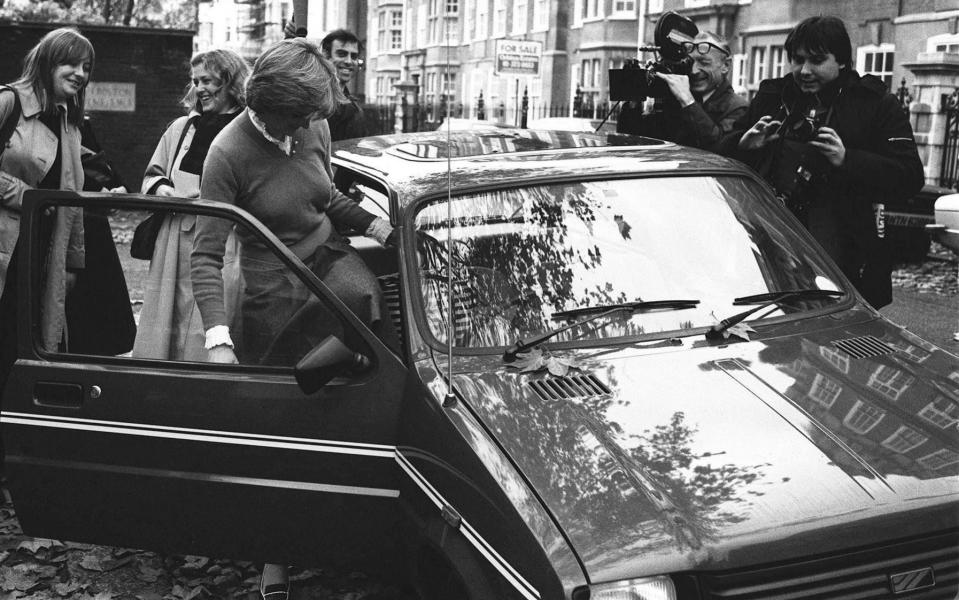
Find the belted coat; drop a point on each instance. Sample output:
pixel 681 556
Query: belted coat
pixel 26 160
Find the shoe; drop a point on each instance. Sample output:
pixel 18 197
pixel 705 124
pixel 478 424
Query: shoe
pixel 275 583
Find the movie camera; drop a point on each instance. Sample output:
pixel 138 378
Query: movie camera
pixel 637 81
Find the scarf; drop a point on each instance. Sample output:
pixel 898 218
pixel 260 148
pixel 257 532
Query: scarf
pixel 206 126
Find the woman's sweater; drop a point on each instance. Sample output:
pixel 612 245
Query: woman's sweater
pixel 292 195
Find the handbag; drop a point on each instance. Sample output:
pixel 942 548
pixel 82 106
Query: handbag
pixel 145 235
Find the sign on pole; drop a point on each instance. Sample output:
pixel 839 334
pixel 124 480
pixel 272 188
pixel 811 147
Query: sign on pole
pixel 518 57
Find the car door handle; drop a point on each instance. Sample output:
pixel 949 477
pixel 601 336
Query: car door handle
pixel 59 395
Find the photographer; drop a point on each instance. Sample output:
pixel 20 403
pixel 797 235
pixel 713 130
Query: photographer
pixel 835 146
pixel 703 106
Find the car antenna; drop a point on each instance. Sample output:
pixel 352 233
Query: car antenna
pixel 450 400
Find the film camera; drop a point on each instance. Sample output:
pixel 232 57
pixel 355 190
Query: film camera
pixel 804 126
pixel 636 81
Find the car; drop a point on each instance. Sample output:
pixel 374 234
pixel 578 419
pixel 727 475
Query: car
pixel 573 124
pixel 945 230
pixel 625 371
pixel 906 221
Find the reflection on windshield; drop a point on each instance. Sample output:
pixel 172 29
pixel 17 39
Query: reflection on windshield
pixel 519 255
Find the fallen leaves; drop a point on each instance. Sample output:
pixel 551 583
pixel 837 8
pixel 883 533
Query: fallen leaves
pixel 539 359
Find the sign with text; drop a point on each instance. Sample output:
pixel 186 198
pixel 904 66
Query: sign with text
pixel 518 57
pixel 111 96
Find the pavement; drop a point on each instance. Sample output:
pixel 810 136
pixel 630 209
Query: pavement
pixel 932 316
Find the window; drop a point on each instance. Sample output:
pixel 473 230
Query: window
pixel 941 412
pixel 863 417
pixel 499 18
pixel 877 60
pixel 940 459
pixel 421 31
pixel 519 16
pixel 945 42
pixel 592 9
pixel 452 8
pixel 389 30
pixel 758 64
pixel 540 14
pixel 904 440
pixel 482 19
pixel 778 61
pixel 739 73
pixel 627 7
pixel 824 390
pixel 890 382
pixel 838 359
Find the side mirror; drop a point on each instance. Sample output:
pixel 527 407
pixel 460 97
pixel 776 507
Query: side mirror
pixel 330 359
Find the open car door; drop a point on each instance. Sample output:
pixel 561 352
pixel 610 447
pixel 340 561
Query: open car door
pixel 162 450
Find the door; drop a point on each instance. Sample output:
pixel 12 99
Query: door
pixel 140 442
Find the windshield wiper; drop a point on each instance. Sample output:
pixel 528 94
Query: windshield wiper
pixel 604 311
pixel 766 300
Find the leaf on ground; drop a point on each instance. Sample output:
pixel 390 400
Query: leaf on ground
pixel 95 561
pixel 34 545
pixel 4 555
pixel 149 574
pixel 149 596
pixel 20 578
pixel 195 562
pixel 66 589
pixel 12 595
pixel 196 593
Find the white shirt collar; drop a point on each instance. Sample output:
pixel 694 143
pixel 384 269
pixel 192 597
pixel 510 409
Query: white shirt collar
pixel 285 145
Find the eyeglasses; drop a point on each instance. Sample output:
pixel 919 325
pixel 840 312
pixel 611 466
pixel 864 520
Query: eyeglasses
pixel 702 47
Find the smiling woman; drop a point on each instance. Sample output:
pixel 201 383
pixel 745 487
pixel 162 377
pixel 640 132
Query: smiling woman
pixel 50 98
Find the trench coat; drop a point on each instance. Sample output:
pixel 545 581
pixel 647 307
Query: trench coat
pixel 26 160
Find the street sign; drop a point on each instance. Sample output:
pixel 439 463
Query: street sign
pixel 517 57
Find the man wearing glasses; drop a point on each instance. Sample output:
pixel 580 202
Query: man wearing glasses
pixel 703 106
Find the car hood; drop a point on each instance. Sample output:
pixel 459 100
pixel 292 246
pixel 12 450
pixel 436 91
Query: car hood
pixel 671 458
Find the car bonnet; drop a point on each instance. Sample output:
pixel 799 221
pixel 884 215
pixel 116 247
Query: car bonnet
pixel 665 460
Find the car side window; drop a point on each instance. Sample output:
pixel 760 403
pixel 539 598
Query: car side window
pixel 159 308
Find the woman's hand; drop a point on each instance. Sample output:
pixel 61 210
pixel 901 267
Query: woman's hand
pixel 164 190
pixel 222 354
pixel 762 133
pixel 830 145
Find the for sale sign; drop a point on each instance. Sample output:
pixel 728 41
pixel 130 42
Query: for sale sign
pixel 517 57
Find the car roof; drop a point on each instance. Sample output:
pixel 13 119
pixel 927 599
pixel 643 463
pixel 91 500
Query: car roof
pixel 415 164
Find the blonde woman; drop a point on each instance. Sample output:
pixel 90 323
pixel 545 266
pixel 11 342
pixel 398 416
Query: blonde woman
pixel 170 326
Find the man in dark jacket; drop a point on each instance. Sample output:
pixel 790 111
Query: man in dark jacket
pixel 836 146
pixel 342 48
pixel 702 107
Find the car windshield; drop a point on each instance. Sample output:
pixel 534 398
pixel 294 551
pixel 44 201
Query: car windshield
pixel 521 255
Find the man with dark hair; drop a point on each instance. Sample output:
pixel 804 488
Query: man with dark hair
pixel 703 106
pixel 342 48
pixel 836 146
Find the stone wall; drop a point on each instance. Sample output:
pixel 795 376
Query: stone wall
pixel 139 77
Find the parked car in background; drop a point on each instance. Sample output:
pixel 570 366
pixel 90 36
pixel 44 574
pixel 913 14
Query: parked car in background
pixel 906 223
pixel 626 371
pixel 573 124
pixel 946 228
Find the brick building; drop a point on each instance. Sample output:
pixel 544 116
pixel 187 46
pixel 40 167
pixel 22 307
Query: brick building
pixel 138 79
pixel 582 39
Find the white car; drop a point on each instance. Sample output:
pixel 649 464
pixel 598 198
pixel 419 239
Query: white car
pixel 573 124
pixel 946 228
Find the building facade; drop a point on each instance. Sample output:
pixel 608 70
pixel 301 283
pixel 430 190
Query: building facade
pixel 444 52
pixel 250 26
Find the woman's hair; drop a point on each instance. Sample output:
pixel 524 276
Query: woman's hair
pixel 227 66
pixel 293 77
pixel 63 46
pixel 820 35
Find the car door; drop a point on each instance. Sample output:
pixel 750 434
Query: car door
pixel 125 447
